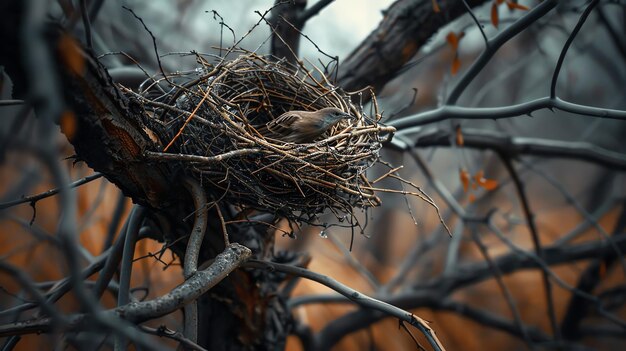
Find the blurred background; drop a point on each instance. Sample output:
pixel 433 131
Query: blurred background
pixel 483 288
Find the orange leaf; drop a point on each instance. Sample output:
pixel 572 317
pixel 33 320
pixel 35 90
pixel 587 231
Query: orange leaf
pixel 459 136
pixel 513 5
pixel 489 184
pixel 472 198
pixel 494 15
pixel 453 40
pixel 465 179
pixel 456 64
pixel 436 6
pixel 478 176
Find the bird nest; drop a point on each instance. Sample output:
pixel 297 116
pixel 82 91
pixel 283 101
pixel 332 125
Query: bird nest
pixel 211 125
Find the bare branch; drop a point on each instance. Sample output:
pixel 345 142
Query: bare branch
pixel 359 298
pixel 518 146
pixel 568 42
pixel 452 112
pixel 495 43
pixel 34 198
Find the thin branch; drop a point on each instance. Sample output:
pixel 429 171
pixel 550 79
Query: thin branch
pixel 193 250
pixel 517 319
pixel 199 227
pixel 534 233
pixel 478 24
pixel 359 298
pixel 527 108
pixel 123 296
pixel 86 23
pixel 568 42
pixel 136 312
pixel 517 146
pixel 587 282
pixel 199 159
pixel 312 11
pixel 163 331
pixel 113 259
pixel 154 44
pixel 11 102
pixel 495 43
pixel 34 198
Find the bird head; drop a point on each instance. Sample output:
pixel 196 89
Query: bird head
pixel 332 115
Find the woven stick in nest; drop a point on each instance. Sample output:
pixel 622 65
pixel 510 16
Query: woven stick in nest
pixel 212 125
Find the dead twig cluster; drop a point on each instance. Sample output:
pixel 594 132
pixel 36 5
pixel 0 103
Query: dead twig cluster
pixel 210 123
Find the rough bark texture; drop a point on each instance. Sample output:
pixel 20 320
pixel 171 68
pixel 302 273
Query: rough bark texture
pixel 112 133
pixel 406 27
pixel 286 40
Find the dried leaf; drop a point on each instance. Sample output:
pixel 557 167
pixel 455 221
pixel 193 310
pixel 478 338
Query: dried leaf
pixel 436 6
pixel 489 184
pixel 515 6
pixel 465 178
pixel 479 175
pixel 472 198
pixel 459 136
pixel 456 64
pixel 494 15
pixel 499 2
pixel 453 40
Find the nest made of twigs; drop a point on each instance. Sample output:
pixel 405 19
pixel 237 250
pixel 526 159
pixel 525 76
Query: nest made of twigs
pixel 211 127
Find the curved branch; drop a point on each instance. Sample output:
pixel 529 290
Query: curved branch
pixel 201 282
pixel 516 146
pixel 527 108
pixel 495 43
pixel 359 298
pixel 568 42
pixel 34 198
pixel 193 251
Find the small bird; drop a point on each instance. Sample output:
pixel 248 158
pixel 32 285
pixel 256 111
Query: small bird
pixel 305 126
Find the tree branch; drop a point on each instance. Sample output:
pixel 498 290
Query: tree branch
pixel 454 112
pixel 406 27
pixel 517 146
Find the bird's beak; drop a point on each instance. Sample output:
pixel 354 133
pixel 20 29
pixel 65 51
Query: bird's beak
pixel 348 116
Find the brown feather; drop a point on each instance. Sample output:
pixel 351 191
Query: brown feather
pixel 304 126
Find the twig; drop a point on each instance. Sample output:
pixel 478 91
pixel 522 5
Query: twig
pixel 534 233
pixel 518 146
pixel 527 108
pixel 123 296
pixel 136 312
pixel 193 250
pixel 34 198
pixel 312 11
pixel 495 43
pixel 86 23
pixel 174 335
pixel 568 42
pixel 357 297
pixel 154 44
pixel 200 159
